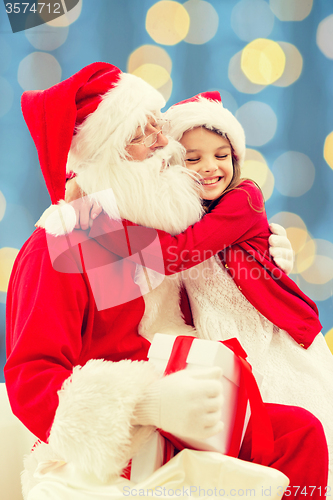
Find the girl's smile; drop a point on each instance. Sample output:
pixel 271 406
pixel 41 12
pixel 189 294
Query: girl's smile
pixel 210 155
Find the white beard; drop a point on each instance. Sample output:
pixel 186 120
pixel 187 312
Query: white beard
pixel 153 196
pixel 145 192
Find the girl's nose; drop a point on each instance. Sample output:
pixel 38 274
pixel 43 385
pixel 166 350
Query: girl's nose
pixel 210 165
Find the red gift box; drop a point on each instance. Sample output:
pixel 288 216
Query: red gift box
pixel 171 354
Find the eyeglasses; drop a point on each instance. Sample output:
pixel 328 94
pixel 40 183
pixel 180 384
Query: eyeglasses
pixel 151 139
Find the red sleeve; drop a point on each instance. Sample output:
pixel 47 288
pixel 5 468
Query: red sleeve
pixel 45 313
pixel 238 217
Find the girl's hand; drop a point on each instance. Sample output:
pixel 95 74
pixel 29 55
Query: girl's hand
pixel 280 248
pixel 86 210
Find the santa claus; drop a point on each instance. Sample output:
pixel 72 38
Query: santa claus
pixel 79 318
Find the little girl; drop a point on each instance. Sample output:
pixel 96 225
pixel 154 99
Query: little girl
pixel 240 292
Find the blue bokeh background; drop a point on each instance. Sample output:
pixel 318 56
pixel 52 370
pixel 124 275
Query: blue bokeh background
pixel 111 30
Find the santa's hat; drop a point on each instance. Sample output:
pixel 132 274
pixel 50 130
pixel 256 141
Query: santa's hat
pixel 207 110
pixel 98 102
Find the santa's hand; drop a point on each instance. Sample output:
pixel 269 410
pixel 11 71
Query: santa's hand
pixel 187 403
pixel 86 210
pixel 280 248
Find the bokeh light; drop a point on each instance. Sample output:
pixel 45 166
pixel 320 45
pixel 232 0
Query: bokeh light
pixel 251 19
pixel 314 263
pixel 239 79
pixel 46 37
pixel 291 10
pixel 7 258
pixel 321 270
pixel 313 269
pixel 149 54
pixel 153 64
pixel 325 36
pixel 294 173
pixel 38 71
pixel 166 89
pixel 154 74
pixel 293 67
pixel 259 122
pixel 157 76
pixel 296 229
pixel 68 18
pixel 317 293
pixel 263 61
pixel 256 168
pixel 2 205
pixel 167 22
pixel 204 22
pixel 328 149
pixel 6 96
pixel 305 256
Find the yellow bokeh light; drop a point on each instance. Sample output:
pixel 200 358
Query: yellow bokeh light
pixel 328 150
pixel 166 90
pixel 7 258
pixel 329 339
pixel 155 75
pixel 256 168
pixel 293 67
pixel 306 256
pixel 149 54
pixel 288 219
pixel 239 80
pixel 263 61
pixel 321 270
pixel 167 22
pixel 254 155
pixel 298 237
pixel 256 171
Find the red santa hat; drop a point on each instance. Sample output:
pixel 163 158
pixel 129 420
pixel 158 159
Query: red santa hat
pixel 98 101
pixel 206 110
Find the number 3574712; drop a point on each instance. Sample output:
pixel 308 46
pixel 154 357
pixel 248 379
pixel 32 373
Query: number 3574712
pixel 25 8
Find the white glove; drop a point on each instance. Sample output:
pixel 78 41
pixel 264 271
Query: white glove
pixel 280 248
pixel 187 403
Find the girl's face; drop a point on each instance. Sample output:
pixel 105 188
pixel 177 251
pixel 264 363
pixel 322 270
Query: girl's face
pixel 209 154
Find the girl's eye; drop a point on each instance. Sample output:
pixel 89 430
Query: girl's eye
pixel 222 157
pixel 192 159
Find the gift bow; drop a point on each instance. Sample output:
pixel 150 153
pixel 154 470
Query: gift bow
pixel 262 432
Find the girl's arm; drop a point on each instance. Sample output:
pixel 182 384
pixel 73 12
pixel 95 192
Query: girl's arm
pixel 239 216
pixel 205 236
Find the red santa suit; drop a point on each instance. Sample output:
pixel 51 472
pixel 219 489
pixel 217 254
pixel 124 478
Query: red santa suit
pixel 75 372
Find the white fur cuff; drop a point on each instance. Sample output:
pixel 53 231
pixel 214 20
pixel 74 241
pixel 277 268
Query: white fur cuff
pixel 92 426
